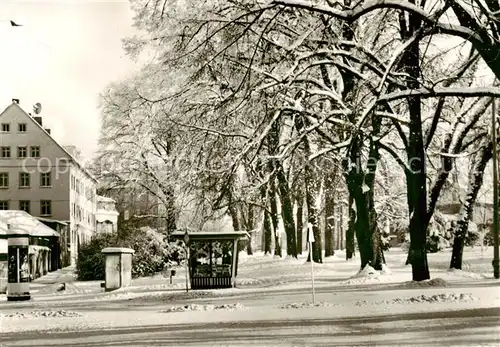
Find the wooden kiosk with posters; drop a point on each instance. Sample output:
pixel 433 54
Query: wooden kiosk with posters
pixel 213 257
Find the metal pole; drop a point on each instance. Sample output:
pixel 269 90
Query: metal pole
pixel 187 268
pixel 496 262
pixel 312 269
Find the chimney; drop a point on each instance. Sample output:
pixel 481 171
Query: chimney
pixel 48 131
pixel 38 120
pixel 15 101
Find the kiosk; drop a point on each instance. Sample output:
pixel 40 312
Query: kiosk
pixel 18 276
pixel 213 257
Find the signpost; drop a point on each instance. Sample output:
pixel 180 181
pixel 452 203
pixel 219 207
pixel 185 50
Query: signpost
pixel 310 240
pixel 496 261
pixel 186 243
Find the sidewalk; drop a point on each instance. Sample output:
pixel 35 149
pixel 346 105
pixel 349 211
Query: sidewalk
pixel 64 275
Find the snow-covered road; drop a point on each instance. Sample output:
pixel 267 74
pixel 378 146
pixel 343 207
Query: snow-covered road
pixel 461 315
pixel 271 307
pixel 470 327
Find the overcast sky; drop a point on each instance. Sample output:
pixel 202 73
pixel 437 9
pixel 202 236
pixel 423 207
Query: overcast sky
pixel 63 56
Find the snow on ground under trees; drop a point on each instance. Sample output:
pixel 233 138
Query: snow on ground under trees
pixel 268 288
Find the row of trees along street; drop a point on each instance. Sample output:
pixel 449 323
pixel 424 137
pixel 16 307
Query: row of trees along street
pixel 248 108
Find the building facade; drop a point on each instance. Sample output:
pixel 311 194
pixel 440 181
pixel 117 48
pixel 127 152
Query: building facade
pixel 106 215
pixel 41 177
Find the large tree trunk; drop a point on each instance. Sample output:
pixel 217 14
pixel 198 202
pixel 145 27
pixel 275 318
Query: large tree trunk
pixel 267 235
pixel 287 213
pixel 274 219
pixel 377 255
pixel 280 184
pixel 300 222
pixel 250 228
pixel 330 217
pixel 361 189
pixel 312 191
pixel 447 161
pixel 233 211
pixel 350 249
pixel 311 183
pixel 416 177
pixel 475 183
pixel 170 211
pixel 362 228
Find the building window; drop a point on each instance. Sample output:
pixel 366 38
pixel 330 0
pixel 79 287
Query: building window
pixel 35 152
pixel 45 207
pixel 5 127
pixel 4 180
pixel 45 179
pixel 5 152
pixel 24 205
pixel 22 152
pixel 21 127
pixel 24 180
pixel 4 204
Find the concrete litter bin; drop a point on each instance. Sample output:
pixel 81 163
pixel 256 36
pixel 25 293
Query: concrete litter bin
pixel 118 267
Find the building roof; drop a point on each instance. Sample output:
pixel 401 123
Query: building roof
pixel 101 198
pixel 49 220
pixel 23 223
pixel 71 157
pixel 104 215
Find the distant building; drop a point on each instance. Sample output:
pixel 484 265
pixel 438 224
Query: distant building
pixel 482 215
pixel 45 179
pixel 106 215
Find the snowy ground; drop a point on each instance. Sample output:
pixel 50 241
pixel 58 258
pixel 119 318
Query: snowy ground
pixel 271 306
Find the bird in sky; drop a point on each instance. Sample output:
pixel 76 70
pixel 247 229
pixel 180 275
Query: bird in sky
pixel 14 24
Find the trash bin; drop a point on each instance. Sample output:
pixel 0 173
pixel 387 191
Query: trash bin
pixel 118 267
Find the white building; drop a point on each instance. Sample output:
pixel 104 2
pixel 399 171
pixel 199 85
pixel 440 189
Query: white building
pixel 106 215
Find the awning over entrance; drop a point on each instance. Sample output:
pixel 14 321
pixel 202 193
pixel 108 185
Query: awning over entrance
pixel 33 249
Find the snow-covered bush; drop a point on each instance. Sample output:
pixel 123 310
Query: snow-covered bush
pixel 90 264
pixel 438 233
pixel 152 253
pixel 472 238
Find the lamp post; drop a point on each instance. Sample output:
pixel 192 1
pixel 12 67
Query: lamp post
pixel 186 243
pixel 496 262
